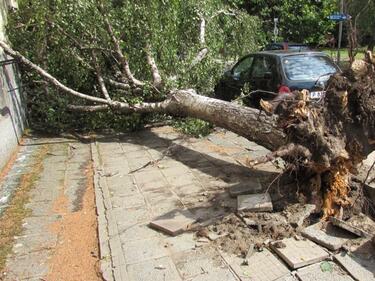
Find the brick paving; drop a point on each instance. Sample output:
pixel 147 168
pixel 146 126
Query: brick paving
pixel 139 190
pixel 158 174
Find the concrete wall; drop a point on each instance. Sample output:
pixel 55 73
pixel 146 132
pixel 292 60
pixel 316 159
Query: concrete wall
pixel 12 111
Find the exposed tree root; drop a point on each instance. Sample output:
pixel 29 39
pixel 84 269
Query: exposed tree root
pixel 337 190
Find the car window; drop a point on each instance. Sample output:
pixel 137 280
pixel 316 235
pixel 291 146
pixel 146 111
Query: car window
pixel 276 47
pixel 307 68
pixel 243 66
pixel 263 65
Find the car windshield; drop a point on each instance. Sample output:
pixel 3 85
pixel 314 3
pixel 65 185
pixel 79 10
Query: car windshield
pixel 307 68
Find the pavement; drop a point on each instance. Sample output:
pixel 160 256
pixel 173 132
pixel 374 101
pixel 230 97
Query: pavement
pixel 155 174
pixel 63 174
pixel 159 174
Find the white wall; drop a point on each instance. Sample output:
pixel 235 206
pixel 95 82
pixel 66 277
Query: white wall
pixel 12 112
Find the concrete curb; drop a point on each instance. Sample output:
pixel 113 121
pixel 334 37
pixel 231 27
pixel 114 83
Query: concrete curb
pixel 106 265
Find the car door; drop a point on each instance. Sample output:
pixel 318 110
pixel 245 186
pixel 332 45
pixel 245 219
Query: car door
pixel 233 81
pixel 264 78
pixel 264 74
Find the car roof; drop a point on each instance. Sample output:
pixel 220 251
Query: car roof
pixel 284 53
pixel 288 43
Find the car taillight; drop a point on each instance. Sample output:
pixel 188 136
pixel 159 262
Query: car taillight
pixel 284 89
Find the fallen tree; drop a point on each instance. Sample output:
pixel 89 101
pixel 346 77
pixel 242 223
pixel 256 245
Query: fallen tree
pixel 322 143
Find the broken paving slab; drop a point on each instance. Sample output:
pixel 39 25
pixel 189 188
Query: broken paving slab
pixel 327 271
pixel 298 253
pixel 251 186
pixel 297 213
pixel 363 222
pixel 261 266
pixel 327 235
pixel 348 227
pixel 255 202
pixel 360 269
pixel 174 223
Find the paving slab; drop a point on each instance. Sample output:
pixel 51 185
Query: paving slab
pixel 249 187
pixel 327 271
pixel 180 243
pixel 144 249
pixel 361 269
pixel 327 235
pixel 297 213
pixel 254 202
pixel 202 264
pixel 174 223
pixel 160 269
pixel 347 226
pixel 35 264
pixel 299 253
pixel 289 277
pixel 137 232
pixel 132 201
pixel 262 266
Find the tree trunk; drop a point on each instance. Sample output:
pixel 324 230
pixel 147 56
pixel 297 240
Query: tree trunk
pixel 247 122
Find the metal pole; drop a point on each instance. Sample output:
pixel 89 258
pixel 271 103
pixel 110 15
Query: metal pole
pixel 340 32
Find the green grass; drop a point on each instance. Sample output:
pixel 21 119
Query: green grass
pixel 343 53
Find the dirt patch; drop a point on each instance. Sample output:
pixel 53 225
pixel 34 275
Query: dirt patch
pixel 259 228
pixel 76 256
pixel 12 218
pixel 235 232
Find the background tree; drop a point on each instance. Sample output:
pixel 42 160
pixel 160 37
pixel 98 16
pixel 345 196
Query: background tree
pixel 299 20
pixel 361 28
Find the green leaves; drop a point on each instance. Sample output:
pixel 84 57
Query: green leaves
pixel 58 35
pixel 301 21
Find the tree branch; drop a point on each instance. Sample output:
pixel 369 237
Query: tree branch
pixel 288 150
pixel 87 65
pixel 88 108
pixel 202 30
pixel 125 69
pixel 156 78
pixel 99 76
pixel 118 85
pixel 48 77
pixel 199 57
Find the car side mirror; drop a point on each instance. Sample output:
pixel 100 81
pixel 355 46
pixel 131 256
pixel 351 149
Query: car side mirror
pixel 267 75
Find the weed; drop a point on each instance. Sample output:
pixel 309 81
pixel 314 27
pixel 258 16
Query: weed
pixel 12 217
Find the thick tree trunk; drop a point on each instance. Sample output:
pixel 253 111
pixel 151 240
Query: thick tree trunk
pixel 247 122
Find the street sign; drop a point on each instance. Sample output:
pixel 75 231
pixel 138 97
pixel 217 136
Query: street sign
pixel 339 17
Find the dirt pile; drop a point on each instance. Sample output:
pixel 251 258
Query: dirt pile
pixel 234 233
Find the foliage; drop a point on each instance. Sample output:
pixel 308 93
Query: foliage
pixel 193 127
pixel 362 12
pixel 58 35
pixel 302 21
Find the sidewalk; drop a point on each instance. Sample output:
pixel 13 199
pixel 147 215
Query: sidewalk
pixel 59 219
pixel 192 178
pixel 109 191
